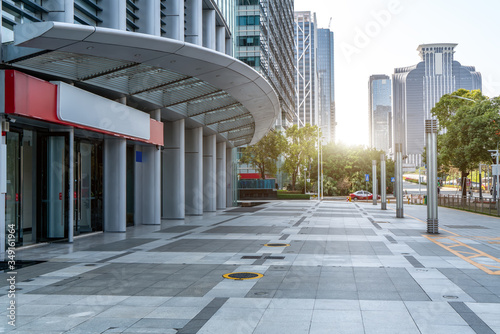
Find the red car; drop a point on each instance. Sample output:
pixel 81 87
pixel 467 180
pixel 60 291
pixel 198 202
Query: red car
pixel 361 194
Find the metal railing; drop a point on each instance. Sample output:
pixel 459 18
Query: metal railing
pixel 474 204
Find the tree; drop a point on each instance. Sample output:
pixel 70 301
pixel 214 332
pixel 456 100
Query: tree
pixel 468 127
pixel 263 155
pixel 300 149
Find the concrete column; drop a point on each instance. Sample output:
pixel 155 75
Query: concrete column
pixel 383 190
pixel 60 10
pixel 221 175
pixel 399 181
pixel 150 184
pixel 220 39
pixel 149 17
pixel 432 196
pixel 115 178
pixel 374 182
pixel 209 174
pixel 194 22
pixel 175 19
pixel 173 184
pixel 139 157
pixel 229 46
pixel 114 14
pixel 229 177
pixel 194 171
pixel 209 37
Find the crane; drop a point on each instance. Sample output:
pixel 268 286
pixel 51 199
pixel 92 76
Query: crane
pixel 330 23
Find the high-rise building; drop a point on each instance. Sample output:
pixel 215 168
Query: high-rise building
pixel 327 83
pixel 306 70
pixel 416 89
pixel 380 112
pixel 121 112
pixel 264 40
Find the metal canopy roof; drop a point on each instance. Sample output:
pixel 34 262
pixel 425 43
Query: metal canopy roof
pixel 208 87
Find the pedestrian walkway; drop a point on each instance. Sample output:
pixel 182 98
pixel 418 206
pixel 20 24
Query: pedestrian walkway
pixel 304 267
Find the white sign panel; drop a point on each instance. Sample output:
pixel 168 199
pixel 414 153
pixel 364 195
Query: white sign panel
pixel 83 108
pixel 494 169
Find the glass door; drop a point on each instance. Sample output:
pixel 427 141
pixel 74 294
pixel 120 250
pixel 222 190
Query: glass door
pixel 83 188
pixel 54 159
pixel 13 196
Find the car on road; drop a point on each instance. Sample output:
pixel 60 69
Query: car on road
pixel 361 194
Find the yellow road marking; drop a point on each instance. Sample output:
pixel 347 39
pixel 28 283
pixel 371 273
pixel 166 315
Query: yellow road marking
pixel 461 254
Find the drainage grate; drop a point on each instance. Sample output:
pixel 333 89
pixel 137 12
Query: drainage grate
pixel 450 297
pixel 274 257
pixel 242 275
pixel 277 245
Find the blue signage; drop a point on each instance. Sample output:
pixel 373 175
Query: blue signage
pixel 393 179
pixel 367 177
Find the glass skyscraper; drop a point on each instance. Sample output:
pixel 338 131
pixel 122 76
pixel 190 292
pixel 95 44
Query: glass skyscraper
pixel 327 83
pixel 380 112
pixel 416 89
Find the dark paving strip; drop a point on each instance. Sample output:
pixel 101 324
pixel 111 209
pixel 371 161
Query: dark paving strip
pixel 246 209
pixel 414 262
pixel 323 215
pixel 284 236
pixel 261 260
pixel 121 245
pixel 178 229
pixel 370 219
pixel 391 239
pixel 377 226
pixel 225 221
pixel 299 221
pixel 468 227
pixel 476 323
pixel 181 235
pixel 114 257
pixel 195 324
pixel 245 229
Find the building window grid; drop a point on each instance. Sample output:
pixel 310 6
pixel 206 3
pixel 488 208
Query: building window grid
pixel 87 12
pixel 132 18
pixel 18 12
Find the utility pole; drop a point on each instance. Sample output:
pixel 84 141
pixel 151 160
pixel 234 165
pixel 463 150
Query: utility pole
pixel 374 182
pixel 399 181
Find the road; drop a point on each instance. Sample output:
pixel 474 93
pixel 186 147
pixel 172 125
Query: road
pixel 412 188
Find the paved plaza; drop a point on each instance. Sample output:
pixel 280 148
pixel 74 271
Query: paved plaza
pixel 320 268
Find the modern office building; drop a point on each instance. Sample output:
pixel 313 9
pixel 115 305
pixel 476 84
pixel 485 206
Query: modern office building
pixel 326 71
pixel 306 69
pixel 380 112
pixel 120 112
pixel 416 89
pixel 264 40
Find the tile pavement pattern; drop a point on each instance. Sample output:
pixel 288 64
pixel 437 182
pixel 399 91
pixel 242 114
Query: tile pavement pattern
pixel 349 268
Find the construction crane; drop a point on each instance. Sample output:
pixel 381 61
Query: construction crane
pixel 330 23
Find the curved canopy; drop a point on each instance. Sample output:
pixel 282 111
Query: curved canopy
pixel 184 80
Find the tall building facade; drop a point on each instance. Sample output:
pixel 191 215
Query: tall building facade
pixel 106 123
pixel 264 40
pixel 306 69
pixel 416 89
pixel 326 71
pixel 380 112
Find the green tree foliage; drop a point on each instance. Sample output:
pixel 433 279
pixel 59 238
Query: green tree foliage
pixel 468 129
pixel 263 155
pixel 344 169
pixel 300 150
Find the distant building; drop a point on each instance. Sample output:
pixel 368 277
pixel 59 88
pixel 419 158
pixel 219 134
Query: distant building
pixel 327 83
pixel 380 112
pixel 264 40
pixel 416 89
pixel 306 70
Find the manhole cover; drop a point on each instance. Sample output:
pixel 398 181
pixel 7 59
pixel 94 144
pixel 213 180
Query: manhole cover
pixel 277 245
pixel 450 297
pixel 242 276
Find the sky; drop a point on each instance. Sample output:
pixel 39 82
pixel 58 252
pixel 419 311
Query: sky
pixel 376 36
